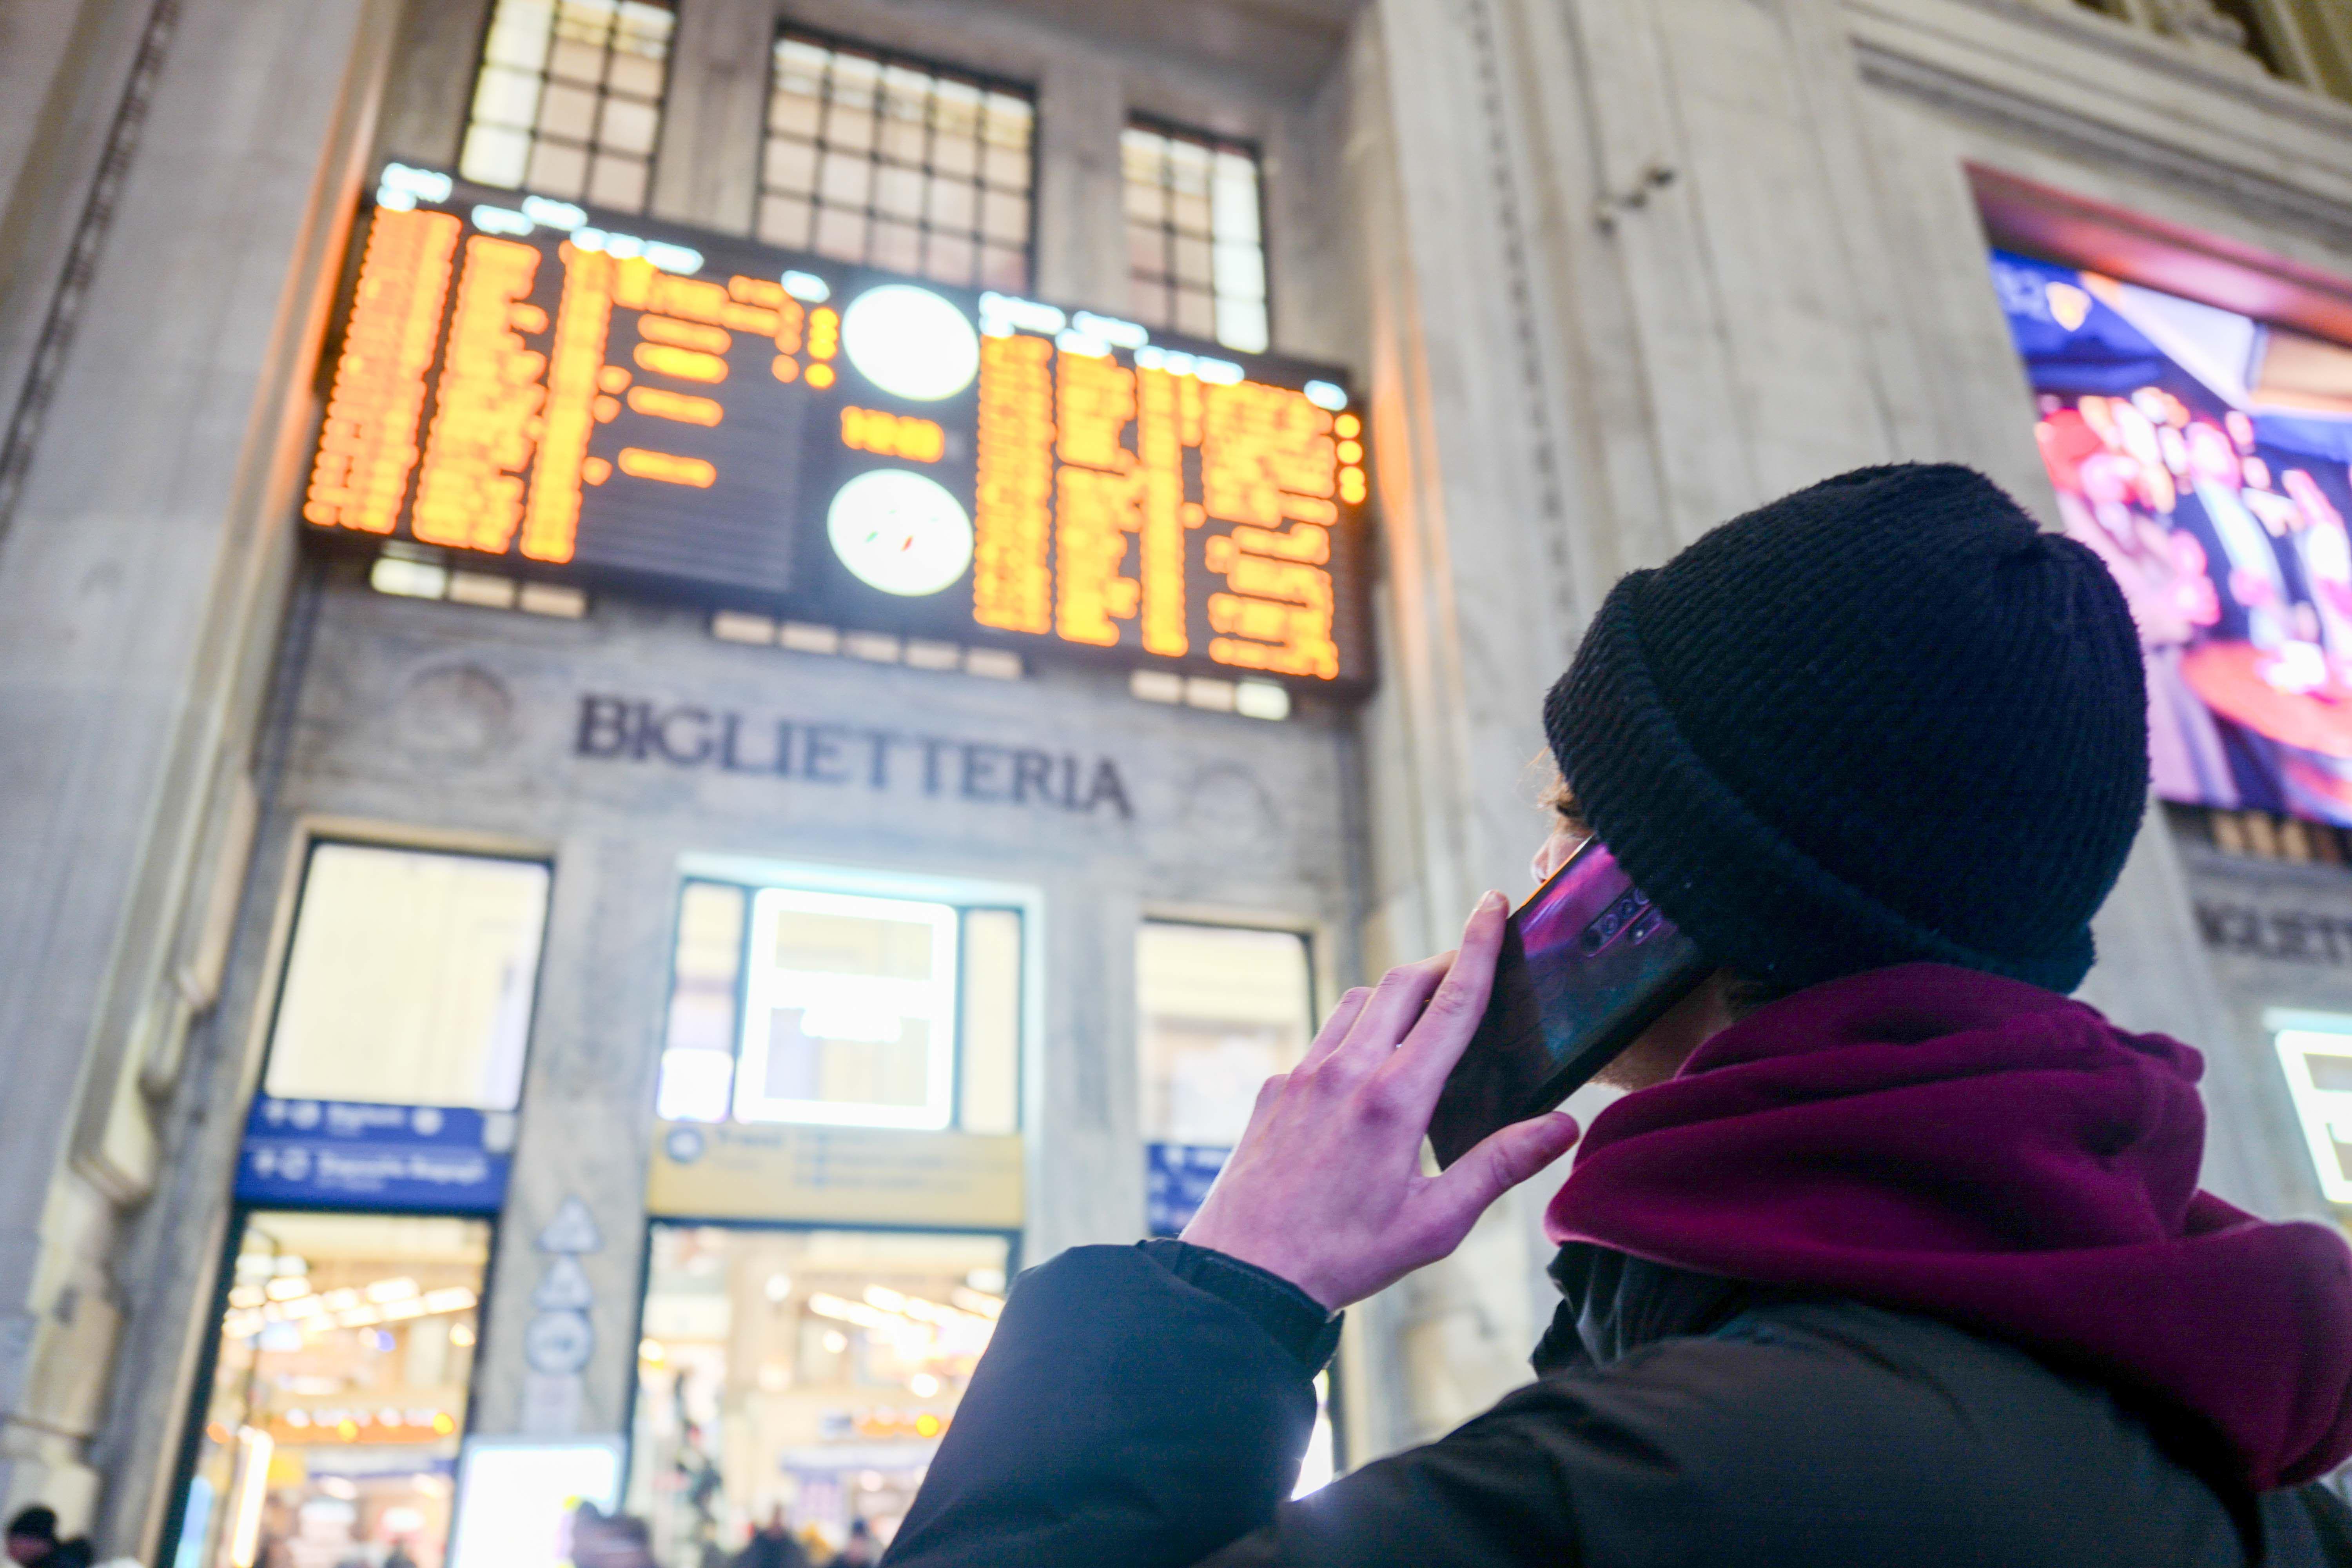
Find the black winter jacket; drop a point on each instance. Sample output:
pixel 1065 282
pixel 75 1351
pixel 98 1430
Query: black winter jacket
pixel 1146 1407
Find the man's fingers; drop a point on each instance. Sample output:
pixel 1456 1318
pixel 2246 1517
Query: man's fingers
pixel 1266 1094
pixel 1437 1040
pixel 1388 1011
pixel 1498 1163
pixel 1335 1028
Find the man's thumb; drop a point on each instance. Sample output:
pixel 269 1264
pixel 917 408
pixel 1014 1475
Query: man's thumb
pixel 1501 1161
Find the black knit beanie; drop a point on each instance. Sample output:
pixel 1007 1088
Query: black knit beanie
pixel 1882 719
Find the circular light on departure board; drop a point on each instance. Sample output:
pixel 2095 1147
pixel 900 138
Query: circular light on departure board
pixel 910 343
pixel 899 531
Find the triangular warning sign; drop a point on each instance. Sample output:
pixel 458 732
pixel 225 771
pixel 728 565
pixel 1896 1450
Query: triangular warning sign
pixel 572 1230
pixel 564 1288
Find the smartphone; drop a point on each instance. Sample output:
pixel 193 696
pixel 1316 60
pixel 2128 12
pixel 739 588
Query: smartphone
pixel 1588 963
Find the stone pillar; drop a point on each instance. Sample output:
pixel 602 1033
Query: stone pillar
pixel 1634 269
pixel 430 92
pixel 63 66
pixel 1081 224
pixel 140 586
pixel 578 1188
pixel 707 163
pixel 1477 609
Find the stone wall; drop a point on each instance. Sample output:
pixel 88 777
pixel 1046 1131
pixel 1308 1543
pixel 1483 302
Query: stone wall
pixel 448 726
pixel 1636 267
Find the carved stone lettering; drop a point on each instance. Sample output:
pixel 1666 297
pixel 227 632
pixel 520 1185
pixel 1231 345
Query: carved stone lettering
pixel 685 735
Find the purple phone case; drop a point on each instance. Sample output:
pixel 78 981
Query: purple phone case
pixel 1587 963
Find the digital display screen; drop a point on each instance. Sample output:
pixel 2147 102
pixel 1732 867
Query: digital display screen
pixel 2203 456
pixel 605 399
pixel 520 1501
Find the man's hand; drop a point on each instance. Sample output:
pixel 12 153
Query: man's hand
pixel 1326 1189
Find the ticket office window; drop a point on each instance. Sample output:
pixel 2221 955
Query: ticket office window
pixel 842 1008
pixel 332 1423
pixel 801 1374
pixel 410 979
pixel 568 98
pixel 2315 1050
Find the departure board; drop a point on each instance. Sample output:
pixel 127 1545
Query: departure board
pixel 545 389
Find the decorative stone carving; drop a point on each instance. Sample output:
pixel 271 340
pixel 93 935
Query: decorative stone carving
pixel 455 713
pixel 2198 19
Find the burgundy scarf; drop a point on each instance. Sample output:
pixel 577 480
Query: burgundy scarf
pixel 1943 1141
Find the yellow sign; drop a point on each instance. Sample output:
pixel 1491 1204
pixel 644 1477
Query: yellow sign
pixel 835 1175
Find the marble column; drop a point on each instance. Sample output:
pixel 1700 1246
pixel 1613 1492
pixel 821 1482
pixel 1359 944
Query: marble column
pixel 1635 268
pixel 140 586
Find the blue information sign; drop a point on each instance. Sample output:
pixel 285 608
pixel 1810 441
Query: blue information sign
pixel 339 1154
pixel 1176 1180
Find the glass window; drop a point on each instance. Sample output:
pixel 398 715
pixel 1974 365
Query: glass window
pixel 800 1376
pixel 801 1004
pixel 569 99
pixel 1222 1009
pixel 2315 1049
pixel 339 1392
pixel 410 979
pixel 1195 249
pixel 895 162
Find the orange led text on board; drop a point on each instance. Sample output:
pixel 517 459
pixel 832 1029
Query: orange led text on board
pixel 1085 523
pixel 888 434
pixel 504 460
pixel 1100 488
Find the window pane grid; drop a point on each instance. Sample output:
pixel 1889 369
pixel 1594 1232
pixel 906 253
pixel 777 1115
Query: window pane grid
pixel 900 164
pixel 568 101
pixel 410 978
pixel 1196 253
pixel 852 1009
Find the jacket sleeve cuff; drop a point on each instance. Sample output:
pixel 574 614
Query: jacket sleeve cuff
pixel 1291 1318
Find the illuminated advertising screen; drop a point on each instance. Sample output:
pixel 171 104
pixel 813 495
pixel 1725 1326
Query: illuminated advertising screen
pixel 2203 455
pixel 605 399
pixel 519 1499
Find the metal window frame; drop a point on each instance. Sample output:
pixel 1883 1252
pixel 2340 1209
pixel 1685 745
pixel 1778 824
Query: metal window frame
pixel 966 898
pixel 312 837
pixel 1214 143
pixel 2319 1112
pixel 533 133
pixel 884 59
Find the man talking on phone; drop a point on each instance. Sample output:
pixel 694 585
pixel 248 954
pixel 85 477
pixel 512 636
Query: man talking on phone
pixel 1894 1256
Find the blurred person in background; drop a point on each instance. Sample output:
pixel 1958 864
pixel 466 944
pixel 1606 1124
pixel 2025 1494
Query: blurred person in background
pixel 601 1540
pixel 33 1535
pixel 773 1545
pixel 861 1550
pixel 1894 1254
